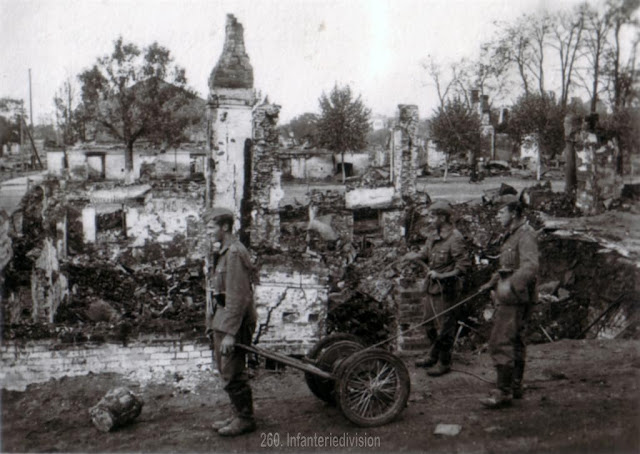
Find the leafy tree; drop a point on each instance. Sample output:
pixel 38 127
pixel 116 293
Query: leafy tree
pixel 541 115
pixel 10 111
pixel 133 93
pixel 304 128
pixel 455 128
pixel 379 138
pixel 344 122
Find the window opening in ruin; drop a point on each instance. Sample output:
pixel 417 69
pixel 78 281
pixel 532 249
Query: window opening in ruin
pixel 111 226
pixel 96 166
pixel 348 169
pixel 313 317
pixel 289 317
pixel 366 221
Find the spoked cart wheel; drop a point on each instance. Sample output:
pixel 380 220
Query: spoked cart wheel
pixel 372 388
pixel 326 355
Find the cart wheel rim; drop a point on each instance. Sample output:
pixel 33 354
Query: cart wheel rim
pixel 328 359
pixel 373 387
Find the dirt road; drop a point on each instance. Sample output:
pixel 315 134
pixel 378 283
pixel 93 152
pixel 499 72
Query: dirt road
pixel 581 396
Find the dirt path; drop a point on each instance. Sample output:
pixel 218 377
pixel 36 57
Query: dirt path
pixel 582 396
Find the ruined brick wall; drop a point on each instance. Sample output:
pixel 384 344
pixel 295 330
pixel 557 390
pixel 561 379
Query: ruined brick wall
pixel 409 297
pixel 55 163
pixel 233 69
pixel 405 148
pixel 166 212
pixel 312 167
pixel 230 121
pixel 49 287
pixel 598 182
pixel 330 206
pixel 266 189
pixel 392 225
pixel 291 300
pixel 39 361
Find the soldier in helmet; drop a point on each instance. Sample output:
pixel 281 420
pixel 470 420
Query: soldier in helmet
pixel 448 258
pixel 233 318
pixel 514 291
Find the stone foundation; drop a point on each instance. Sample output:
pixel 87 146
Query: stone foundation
pixel 40 361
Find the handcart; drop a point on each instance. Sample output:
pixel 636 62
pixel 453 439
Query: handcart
pixel 369 385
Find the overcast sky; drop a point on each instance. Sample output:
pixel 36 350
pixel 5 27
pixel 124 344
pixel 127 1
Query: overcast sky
pixel 298 48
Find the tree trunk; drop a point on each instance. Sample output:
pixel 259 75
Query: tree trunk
pixel 344 172
pixel 446 168
pixel 117 408
pixel 571 178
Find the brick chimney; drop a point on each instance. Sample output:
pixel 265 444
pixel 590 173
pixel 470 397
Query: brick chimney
pixel 233 69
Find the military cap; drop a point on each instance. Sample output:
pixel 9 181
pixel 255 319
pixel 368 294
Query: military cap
pixel 509 200
pixel 215 213
pixel 441 207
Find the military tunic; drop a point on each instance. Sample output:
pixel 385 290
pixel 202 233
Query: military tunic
pixel 444 252
pixel 519 267
pixel 235 313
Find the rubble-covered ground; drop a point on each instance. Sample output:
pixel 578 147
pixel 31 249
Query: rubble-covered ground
pixel 582 393
pixel 581 396
pixel 587 277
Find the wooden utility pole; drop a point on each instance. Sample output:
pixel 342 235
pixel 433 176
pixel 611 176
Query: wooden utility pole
pixel 33 146
pixel 21 141
pixel 30 102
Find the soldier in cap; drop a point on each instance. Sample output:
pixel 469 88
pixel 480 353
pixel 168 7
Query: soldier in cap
pixel 514 291
pixel 446 254
pixel 232 319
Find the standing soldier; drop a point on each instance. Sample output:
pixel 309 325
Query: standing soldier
pixel 446 254
pixel 232 319
pixel 515 292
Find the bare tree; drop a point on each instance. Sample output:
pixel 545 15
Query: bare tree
pixel 596 31
pixel 65 103
pixel 539 27
pixel 448 85
pixel 620 78
pixel 566 33
pixel 522 45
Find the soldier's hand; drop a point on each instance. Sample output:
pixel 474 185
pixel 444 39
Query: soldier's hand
pixel 485 288
pixel 505 293
pixel 227 345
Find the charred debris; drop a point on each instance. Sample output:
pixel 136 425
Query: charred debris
pixel 56 285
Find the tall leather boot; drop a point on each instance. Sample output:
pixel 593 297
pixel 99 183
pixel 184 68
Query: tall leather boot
pixel 217 425
pixel 518 374
pixel 444 367
pixel 500 397
pixel 244 421
pixel 432 360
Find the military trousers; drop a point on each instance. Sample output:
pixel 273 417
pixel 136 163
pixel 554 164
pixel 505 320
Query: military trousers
pixel 441 331
pixel 232 367
pixel 506 344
